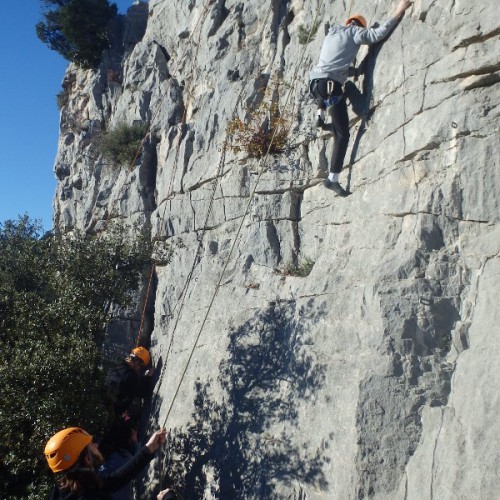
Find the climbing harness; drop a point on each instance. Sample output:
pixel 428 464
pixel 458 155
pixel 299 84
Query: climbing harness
pixel 326 92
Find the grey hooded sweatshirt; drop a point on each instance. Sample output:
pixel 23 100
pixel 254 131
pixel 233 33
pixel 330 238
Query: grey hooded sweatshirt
pixel 341 46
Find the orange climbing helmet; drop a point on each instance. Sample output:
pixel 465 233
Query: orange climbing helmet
pixel 63 448
pixel 358 18
pixel 143 354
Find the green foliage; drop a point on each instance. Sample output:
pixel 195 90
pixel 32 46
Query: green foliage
pixel 307 35
pixel 77 29
pixel 300 270
pixel 163 251
pixel 266 127
pixel 121 145
pixel 55 297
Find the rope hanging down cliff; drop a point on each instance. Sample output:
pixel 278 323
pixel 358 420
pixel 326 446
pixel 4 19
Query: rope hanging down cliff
pixel 263 166
pixel 243 218
pixel 172 177
pixel 218 176
pixel 169 193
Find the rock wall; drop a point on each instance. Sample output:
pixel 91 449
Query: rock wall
pixel 373 376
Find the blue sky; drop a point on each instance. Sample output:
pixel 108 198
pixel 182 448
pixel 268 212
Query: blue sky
pixel 30 79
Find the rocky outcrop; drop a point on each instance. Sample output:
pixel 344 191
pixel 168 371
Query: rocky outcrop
pixel 373 376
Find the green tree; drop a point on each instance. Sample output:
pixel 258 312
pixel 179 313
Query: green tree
pixel 55 297
pixel 121 145
pixel 77 29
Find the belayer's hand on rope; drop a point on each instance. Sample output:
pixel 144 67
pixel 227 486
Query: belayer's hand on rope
pixel 156 440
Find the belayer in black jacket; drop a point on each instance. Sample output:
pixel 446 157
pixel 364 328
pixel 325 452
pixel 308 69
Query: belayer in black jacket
pixel 131 381
pixel 74 459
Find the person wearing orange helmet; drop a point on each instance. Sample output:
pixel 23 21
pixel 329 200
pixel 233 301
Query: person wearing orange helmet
pixel 131 381
pixel 327 78
pixel 142 354
pixel 74 459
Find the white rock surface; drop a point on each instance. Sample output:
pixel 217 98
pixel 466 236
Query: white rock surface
pixel 376 375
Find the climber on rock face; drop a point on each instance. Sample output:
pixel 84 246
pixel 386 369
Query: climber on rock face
pixel 328 77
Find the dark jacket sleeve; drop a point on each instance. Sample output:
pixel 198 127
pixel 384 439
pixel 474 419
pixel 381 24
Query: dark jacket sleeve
pixel 116 479
pixel 145 386
pixel 135 386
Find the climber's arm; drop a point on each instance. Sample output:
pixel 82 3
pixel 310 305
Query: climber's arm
pixel 370 36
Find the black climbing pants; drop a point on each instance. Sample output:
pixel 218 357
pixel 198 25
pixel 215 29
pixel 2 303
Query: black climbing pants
pixel 340 127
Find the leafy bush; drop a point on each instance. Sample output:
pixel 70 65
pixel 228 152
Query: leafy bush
pixel 55 297
pixel 120 145
pixel 307 35
pixel 300 270
pixel 265 129
pixel 77 29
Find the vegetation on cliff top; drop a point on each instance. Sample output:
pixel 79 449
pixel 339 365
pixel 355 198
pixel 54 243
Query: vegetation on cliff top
pixel 77 29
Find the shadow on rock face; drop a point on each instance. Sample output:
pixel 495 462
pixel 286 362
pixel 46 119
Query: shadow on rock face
pixel 233 438
pixel 419 319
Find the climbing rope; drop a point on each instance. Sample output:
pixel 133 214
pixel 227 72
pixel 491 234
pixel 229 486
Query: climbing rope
pixel 263 165
pixel 170 190
pixel 218 176
pixel 200 20
pixel 109 214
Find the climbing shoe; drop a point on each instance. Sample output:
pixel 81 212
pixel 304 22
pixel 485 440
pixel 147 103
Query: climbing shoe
pixel 335 187
pixel 320 121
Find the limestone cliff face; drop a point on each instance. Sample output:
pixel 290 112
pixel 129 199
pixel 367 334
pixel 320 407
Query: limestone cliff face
pixel 376 375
